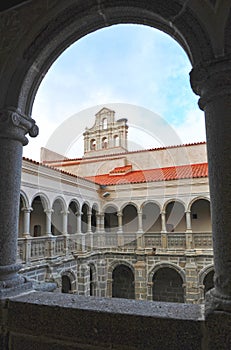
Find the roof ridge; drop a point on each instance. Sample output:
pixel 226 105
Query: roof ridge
pixel 128 152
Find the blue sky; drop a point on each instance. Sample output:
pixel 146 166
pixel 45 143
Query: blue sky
pixel 118 66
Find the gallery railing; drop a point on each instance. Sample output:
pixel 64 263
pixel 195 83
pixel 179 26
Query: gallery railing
pixel 32 249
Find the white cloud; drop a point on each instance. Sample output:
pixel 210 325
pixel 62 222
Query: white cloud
pixel 129 64
pixel 192 129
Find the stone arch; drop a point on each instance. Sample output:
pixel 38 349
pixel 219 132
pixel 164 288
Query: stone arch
pixel 74 200
pixel 175 215
pixel 206 280
pixel 104 123
pixel 93 144
pixel 110 204
pixel 201 215
pixel 171 265
pixel 62 202
pixel 38 216
pixel 203 273
pixel 196 199
pixel 129 203
pixel 58 207
pixel 88 206
pixel 104 142
pixel 25 199
pixel 151 219
pixel 73 210
pixel 70 281
pixel 115 263
pixel 110 218
pixel 123 280
pixel 150 201
pixel 44 198
pixel 94 212
pixel 130 217
pixel 85 211
pixel 167 284
pixel 116 141
pixel 63 27
pixel 173 200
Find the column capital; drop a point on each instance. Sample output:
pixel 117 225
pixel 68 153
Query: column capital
pixel 48 211
pixel 119 214
pixel 15 125
pixel 65 212
pixel 27 209
pixel 211 80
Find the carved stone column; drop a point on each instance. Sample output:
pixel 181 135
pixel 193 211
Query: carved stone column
pixel 13 128
pixel 100 230
pixel 188 235
pixel 120 222
pixel 98 223
pixel 140 236
pixel 213 83
pixel 140 224
pixel 89 223
pixel 120 237
pixel 26 221
pixel 164 237
pixel 188 221
pixel 78 222
pixel 163 221
pixel 65 217
pixel 48 221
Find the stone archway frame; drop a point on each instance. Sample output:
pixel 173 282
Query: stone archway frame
pixel 62 25
pixel 175 200
pixel 161 265
pixel 154 202
pixel 111 268
pixel 72 276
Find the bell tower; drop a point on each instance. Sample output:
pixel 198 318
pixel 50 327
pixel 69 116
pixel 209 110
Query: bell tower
pixel 106 136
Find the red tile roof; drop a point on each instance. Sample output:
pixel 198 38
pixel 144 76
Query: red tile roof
pixel 153 175
pixel 121 170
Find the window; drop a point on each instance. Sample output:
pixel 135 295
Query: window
pixel 104 123
pixel 104 142
pixel 116 141
pixel 93 145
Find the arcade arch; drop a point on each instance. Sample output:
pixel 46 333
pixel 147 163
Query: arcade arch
pixel 175 217
pixel 130 218
pixel 123 282
pixel 168 285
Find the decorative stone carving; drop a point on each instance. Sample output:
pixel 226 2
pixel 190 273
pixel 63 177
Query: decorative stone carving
pixel 211 81
pixel 15 126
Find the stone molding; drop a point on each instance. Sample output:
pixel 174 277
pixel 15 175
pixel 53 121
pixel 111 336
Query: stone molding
pixel 211 81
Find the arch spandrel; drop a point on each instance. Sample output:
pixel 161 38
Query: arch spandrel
pixel 59 25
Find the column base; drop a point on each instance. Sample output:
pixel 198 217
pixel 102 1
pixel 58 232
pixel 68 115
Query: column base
pixel 9 292
pixel 216 302
pixel 11 283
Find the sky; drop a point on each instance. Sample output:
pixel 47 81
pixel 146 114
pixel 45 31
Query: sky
pixel 139 72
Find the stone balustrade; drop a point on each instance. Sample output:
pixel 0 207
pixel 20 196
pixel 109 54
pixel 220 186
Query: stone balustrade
pixel 38 248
